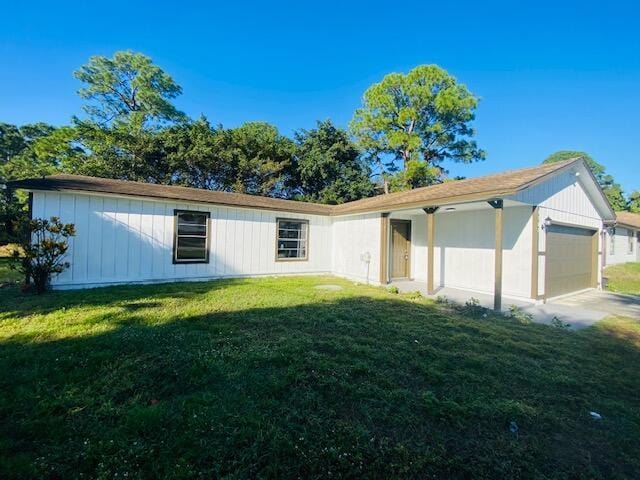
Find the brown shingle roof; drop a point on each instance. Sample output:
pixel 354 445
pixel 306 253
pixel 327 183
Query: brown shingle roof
pixel 167 192
pixel 479 188
pixel 628 218
pixel 473 189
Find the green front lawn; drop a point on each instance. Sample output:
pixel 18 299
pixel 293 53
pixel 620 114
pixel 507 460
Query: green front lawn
pixel 275 378
pixel 624 278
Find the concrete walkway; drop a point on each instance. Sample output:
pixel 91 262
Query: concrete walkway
pixel 580 311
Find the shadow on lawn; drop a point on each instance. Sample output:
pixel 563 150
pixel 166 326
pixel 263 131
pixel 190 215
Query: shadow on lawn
pixel 357 386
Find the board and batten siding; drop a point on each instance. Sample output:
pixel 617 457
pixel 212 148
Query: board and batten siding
pixel 562 199
pixel 465 250
pixel 353 237
pixel 124 240
pixel 621 252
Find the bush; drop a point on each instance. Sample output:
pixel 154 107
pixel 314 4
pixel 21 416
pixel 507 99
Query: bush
pixel 556 322
pixel 520 315
pixel 473 308
pixel 392 289
pixel 44 244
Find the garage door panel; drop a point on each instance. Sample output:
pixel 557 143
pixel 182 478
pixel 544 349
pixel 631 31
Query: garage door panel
pixel 569 259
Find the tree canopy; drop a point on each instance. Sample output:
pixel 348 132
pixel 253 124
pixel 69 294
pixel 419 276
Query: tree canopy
pixel 422 117
pixel 634 201
pixel 128 88
pixel 327 167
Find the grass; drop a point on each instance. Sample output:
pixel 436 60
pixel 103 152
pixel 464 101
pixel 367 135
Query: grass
pixel 273 378
pixel 7 275
pixel 624 278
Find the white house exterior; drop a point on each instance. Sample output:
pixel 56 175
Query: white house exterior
pixel 530 234
pixel 623 239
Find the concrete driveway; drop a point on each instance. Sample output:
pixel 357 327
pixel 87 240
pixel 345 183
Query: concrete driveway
pixel 579 311
pixel 608 302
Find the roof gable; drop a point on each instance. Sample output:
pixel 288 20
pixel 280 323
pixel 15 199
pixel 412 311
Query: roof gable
pixel 457 191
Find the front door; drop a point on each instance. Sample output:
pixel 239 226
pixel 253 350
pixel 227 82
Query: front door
pixel 400 248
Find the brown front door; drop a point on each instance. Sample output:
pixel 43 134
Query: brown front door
pixel 400 248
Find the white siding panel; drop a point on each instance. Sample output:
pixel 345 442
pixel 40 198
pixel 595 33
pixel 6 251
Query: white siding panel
pixel 354 236
pixel 621 252
pixel 109 253
pixel 122 234
pixel 67 205
pixel 122 240
pixel 465 250
pixel 564 199
pixel 94 258
pixel 80 253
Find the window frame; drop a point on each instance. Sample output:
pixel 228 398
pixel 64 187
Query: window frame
pixel 292 259
pixel 176 216
pixel 631 240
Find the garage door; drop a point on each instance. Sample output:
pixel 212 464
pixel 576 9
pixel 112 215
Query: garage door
pixel 570 259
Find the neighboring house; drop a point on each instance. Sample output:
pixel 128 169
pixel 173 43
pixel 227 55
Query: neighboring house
pixel 532 233
pixel 622 239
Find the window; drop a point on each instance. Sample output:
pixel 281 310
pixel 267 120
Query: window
pixel 632 240
pixel 191 242
pixel 612 242
pixel 292 239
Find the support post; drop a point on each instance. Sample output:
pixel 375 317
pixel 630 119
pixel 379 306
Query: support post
pixel 430 247
pixel 497 289
pixel 384 248
pixel 535 240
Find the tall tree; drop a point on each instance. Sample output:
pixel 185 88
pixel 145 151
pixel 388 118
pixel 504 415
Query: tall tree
pixel 634 202
pixel 128 88
pixel 423 116
pixel 129 102
pixel 327 167
pixel 255 158
pixel 611 189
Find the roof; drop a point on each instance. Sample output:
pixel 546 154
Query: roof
pixel 628 218
pixel 171 192
pixel 456 191
pixel 472 189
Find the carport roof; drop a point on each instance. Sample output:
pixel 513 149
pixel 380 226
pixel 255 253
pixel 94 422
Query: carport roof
pixel 455 191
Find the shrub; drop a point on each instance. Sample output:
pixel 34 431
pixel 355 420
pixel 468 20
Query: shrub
pixel 473 308
pixel 392 289
pixel 44 244
pixel 556 322
pixel 520 315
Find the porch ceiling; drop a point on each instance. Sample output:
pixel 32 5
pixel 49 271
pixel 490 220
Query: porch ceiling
pixel 458 207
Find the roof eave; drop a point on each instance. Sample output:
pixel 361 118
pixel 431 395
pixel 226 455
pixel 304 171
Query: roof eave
pixel 27 185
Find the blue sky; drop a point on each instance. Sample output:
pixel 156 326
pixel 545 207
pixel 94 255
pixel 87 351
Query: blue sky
pixel 557 75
